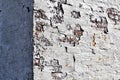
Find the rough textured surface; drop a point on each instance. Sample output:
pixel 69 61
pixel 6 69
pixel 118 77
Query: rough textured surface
pixel 16 24
pixel 77 40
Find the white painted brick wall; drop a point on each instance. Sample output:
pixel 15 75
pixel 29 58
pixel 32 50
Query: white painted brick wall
pixel 94 57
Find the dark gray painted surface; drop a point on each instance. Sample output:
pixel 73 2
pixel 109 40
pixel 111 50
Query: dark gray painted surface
pixel 16 23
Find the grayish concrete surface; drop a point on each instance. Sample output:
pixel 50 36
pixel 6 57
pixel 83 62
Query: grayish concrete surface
pixel 16 23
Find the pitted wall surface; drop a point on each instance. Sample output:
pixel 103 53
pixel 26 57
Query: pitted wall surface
pixel 76 40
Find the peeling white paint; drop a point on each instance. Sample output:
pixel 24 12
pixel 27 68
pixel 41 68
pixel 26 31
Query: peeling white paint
pixel 91 54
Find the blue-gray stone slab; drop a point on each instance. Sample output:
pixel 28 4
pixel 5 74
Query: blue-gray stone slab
pixel 16 44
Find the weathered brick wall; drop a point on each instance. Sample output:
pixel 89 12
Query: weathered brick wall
pixel 77 40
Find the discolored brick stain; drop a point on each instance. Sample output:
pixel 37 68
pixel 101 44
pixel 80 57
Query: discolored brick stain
pixel 76 40
pixel 94 40
pixel 113 14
